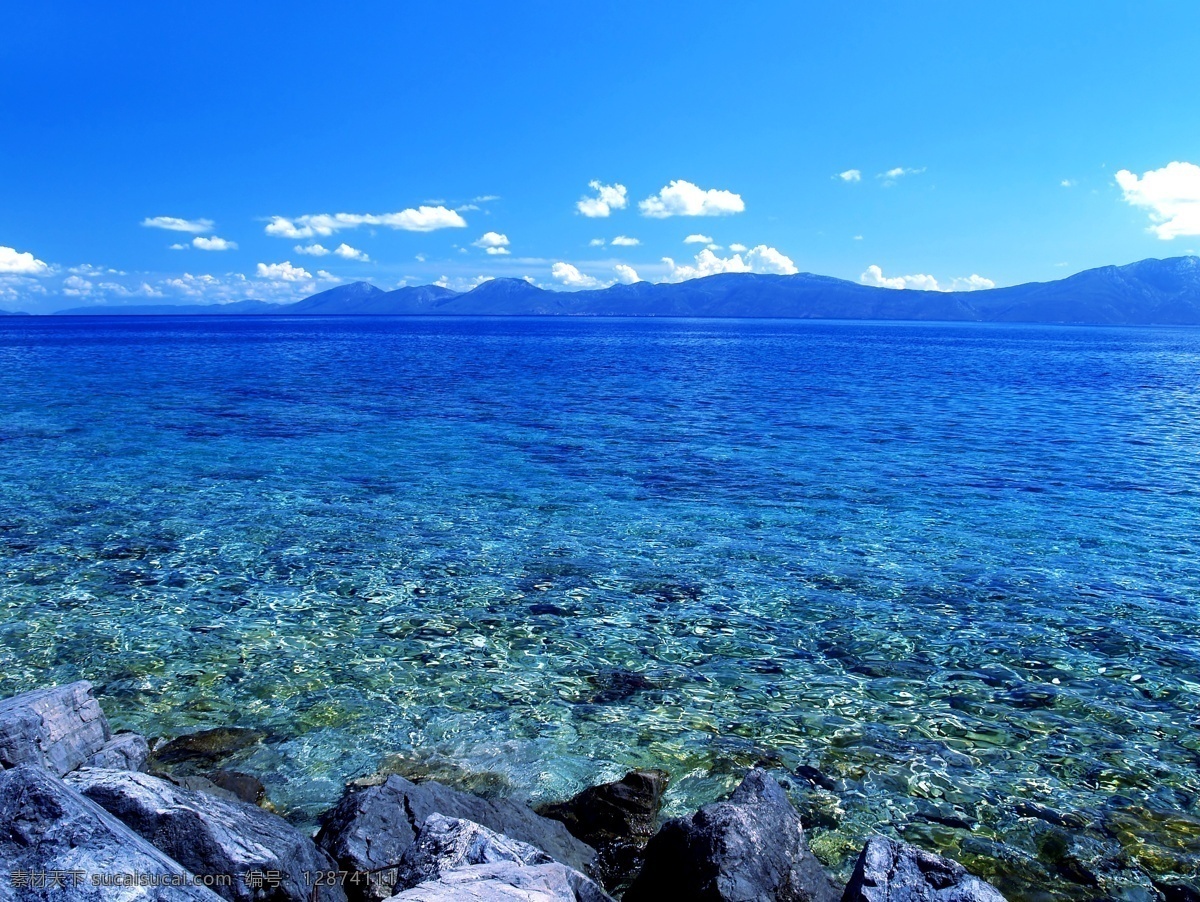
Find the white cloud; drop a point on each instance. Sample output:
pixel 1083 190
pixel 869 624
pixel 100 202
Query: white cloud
pixel 922 282
pixel 626 275
pixel 858 237
pixel 892 174
pixel 761 259
pixel 284 272
pixel 738 248
pixel 1171 195
pixel 177 247
pixel 681 198
pixel 20 263
pixel 313 250
pixel 346 252
pixel 697 239
pixel 174 224
pixel 76 286
pixel 607 199
pixel 625 241
pixel 213 244
pixel 421 219
pixel 493 243
pixel 850 175
pixel 973 282
pixel 1068 183
pixel 596 242
pixel 572 277
pixel 327 276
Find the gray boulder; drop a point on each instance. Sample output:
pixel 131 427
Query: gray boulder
pixel 444 843
pixel 891 871
pixel 57 845
pixel 372 828
pixel 507 881
pixel 211 835
pixel 125 751
pixel 750 848
pixel 58 728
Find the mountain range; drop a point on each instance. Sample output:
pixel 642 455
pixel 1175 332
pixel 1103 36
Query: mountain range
pixel 1147 292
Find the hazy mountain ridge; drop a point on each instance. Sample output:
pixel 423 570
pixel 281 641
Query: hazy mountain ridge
pixel 1147 292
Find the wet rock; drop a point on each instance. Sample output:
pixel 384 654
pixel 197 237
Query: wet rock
pixel 47 827
pixel 125 751
pixel 617 685
pixel 1178 890
pixel 488 784
pixel 443 844
pixel 210 835
pixel 1070 820
pixel 751 847
pixel 507 882
pixel 815 777
pixel 890 871
pixel 372 828
pixel 206 747
pixel 245 787
pixel 58 728
pixel 617 820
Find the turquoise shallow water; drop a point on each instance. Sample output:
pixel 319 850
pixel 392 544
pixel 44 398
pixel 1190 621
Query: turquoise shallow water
pixel 951 567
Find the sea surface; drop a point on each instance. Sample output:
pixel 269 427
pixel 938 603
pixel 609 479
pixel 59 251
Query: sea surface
pixel 952 568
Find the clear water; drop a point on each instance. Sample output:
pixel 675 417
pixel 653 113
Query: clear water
pixel 952 567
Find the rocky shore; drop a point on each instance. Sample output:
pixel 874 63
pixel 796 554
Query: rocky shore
pixel 88 814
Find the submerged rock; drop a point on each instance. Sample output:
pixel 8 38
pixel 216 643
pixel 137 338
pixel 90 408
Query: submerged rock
pixel 617 820
pixel 207 747
pixel 125 751
pixel 617 684
pixel 751 847
pixel 245 787
pixel 211 835
pixel 372 828
pixel 891 871
pixel 58 728
pixel 48 828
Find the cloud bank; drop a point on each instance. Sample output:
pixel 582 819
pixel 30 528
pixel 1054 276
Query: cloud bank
pixel 1171 195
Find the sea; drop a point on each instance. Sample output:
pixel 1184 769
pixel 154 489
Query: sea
pixel 940 579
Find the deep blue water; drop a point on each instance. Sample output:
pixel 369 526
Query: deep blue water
pixel 954 567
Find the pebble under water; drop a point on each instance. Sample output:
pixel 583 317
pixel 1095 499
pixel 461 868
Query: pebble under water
pixel 942 579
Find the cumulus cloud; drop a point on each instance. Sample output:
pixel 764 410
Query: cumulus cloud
pixel 493 243
pixel 760 259
pixel 1171 196
pixel 213 244
pixel 607 199
pixel 325 276
pixel 626 274
pixel 283 272
pixel 20 263
pixel 681 198
pixel 420 219
pixel 313 250
pixel 346 252
pixel 922 282
pixel 572 277
pixel 175 224
pixel 738 248
pixel 697 239
pixel 76 286
pixel 625 241
pixel 850 175
pixel 597 242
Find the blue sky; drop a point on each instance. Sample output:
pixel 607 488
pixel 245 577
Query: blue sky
pixel 1004 125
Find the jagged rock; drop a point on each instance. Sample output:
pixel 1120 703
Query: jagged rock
pixel 617 820
pixel 891 871
pixel 125 751
pixel 47 828
pixel 372 828
pixel 445 843
pixel 506 881
pixel 206 748
pixel 750 848
pixel 211 835
pixel 58 728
